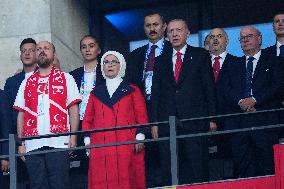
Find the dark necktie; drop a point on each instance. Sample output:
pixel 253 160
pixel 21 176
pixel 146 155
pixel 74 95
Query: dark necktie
pixel 216 67
pixel 151 59
pixel 249 71
pixel 178 66
pixel 281 54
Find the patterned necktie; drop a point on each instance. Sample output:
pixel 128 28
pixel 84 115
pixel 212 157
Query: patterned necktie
pixel 281 54
pixel 151 59
pixel 178 66
pixel 216 67
pixel 249 72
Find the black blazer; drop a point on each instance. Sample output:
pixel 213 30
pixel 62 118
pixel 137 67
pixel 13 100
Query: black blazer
pixel 194 94
pixel 271 50
pixel 5 123
pixel 267 84
pixel 79 72
pixel 11 88
pixel 135 65
pixel 222 107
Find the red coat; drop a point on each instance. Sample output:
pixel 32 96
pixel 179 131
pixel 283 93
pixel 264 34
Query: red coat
pixel 115 167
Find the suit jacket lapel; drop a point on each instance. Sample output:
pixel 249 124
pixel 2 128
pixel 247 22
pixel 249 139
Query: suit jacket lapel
pixel 222 70
pixel 187 59
pixel 123 90
pixel 102 94
pixel 259 66
pixel 243 71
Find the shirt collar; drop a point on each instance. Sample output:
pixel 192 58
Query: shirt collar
pixel 278 44
pixel 182 50
pixel 222 55
pixel 159 43
pixel 256 56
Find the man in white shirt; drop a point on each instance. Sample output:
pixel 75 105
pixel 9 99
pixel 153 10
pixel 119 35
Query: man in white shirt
pixel 253 84
pixel 278 51
pixel 183 86
pixel 139 71
pixel 48 103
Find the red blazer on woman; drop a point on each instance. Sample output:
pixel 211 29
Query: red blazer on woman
pixel 115 167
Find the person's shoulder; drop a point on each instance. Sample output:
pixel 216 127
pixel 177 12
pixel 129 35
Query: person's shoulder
pixel 139 50
pixel 133 86
pixel 16 77
pixel 77 70
pixel 232 58
pixel 199 50
pixel 14 80
pixel 270 48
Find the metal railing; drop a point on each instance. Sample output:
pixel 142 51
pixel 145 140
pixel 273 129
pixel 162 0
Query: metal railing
pixel 172 123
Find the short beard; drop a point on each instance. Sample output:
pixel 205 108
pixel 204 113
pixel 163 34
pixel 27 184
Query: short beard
pixel 44 63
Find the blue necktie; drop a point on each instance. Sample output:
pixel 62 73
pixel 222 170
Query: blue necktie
pixel 249 71
pixel 281 48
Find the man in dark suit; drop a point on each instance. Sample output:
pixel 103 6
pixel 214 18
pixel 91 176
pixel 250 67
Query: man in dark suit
pixel 5 126
pixel 220 58
pixel 253 84
pixel 218 41
pixel 183 86
pixel 139 71
pixel 27 48
pixel 278 28
pixel 278 50
pixel 27 56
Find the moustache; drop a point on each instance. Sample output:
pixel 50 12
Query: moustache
pixel 153 32
pixel 42 54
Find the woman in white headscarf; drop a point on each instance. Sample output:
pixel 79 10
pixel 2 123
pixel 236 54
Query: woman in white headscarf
pixel 115 103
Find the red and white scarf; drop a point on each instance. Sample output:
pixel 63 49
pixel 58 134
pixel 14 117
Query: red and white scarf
pixel 57 90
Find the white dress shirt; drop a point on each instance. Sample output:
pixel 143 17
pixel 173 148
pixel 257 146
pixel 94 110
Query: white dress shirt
pixel 174 57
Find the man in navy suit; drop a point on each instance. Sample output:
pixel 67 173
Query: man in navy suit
pixel 139 71
pixel 183 86
pixel 218 41
pixel 253 84
pixel 5 126
pixel 27 49
pixel 278 28
pixel 278 50
pixel 27 56
pixel 220 58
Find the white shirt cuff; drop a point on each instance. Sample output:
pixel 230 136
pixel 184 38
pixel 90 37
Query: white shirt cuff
pixel 87 141
pixel 140 136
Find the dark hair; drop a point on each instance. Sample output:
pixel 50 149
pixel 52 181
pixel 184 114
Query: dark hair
pixel 91 36
pixel 277 13
pixel 151 13
pixel 27 40
pixel 181 20
pixel 206 40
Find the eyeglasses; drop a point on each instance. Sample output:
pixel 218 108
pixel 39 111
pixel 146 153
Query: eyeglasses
pixel 247 37
pixel 113 62
pixel 23 51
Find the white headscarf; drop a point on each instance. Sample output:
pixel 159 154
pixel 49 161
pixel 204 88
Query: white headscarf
pixel 112 84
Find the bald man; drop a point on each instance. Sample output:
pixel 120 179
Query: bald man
pixel 47 103
pixel 253 84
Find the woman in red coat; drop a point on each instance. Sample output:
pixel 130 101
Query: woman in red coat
pixel 113 104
